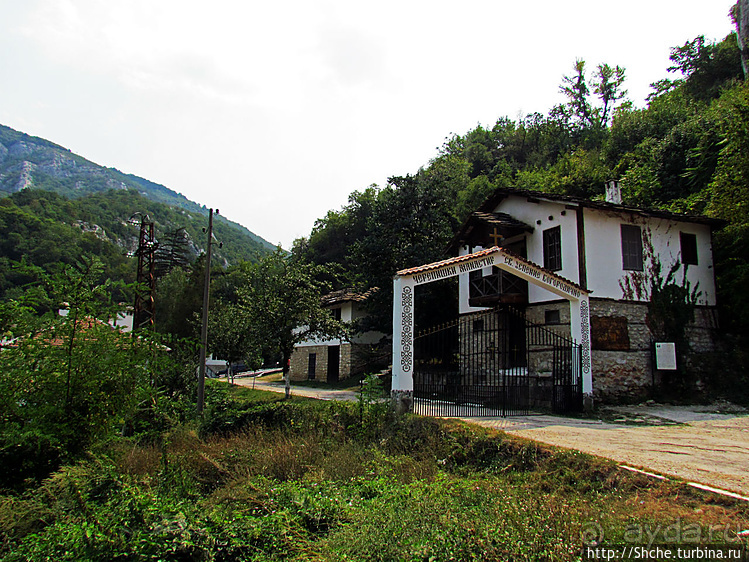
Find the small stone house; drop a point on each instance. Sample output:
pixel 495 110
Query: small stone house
pixel 337 359
pixel 609 249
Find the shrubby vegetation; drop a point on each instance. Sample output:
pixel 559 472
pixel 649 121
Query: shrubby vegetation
pixel 263 478
pixel 70 381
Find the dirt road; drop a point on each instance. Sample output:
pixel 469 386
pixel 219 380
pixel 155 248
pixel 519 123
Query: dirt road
pixel 309 392
pixel 704 447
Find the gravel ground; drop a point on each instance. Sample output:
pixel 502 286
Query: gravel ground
pixel 707 445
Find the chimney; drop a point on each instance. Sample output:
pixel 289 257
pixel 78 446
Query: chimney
pixel 613 193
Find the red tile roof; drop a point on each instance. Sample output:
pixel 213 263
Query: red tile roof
pixel 450 261
pixel 486 252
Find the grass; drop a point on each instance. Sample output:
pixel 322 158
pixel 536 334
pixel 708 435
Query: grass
pixel 262 478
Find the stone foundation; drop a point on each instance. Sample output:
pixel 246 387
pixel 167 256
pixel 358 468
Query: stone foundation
pixel 299 368
pixel 402 401
pixel 353 358
pixel 622 345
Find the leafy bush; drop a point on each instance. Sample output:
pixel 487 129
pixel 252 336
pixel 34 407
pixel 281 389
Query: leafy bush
pixel 302 481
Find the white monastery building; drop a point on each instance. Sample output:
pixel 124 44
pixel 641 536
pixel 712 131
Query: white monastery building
pixel 581 268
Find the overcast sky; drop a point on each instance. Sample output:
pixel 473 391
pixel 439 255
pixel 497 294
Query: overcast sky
pixel 274 111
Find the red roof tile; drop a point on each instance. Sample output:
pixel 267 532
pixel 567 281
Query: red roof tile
pixel 450 261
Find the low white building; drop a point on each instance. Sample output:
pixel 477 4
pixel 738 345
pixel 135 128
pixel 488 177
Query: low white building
pixel 335 359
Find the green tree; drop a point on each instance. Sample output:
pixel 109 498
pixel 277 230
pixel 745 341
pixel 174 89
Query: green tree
pixel 606 83
pixel 67 380
pixel 707 68
pixel 608 87
pixel 279 305
pixel 575 87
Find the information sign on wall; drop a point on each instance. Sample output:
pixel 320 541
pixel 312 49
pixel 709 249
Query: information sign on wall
pixel 665 356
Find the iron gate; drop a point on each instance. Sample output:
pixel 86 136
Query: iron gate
pixel 495 363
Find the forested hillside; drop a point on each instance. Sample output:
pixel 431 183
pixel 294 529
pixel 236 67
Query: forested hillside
pixel 28 162
pixel 47 229
pixel 58 206
pixel 686 151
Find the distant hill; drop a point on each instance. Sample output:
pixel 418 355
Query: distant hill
pixel 32 162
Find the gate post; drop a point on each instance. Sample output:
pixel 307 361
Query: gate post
pixel 580 332
pixel 403 349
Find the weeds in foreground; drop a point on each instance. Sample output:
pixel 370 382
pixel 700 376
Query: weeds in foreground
pixel 317 481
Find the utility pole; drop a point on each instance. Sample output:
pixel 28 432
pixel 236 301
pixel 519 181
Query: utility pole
pixel 204 330
pixel 143 311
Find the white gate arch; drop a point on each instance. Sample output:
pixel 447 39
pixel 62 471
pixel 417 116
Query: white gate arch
pixel 406 281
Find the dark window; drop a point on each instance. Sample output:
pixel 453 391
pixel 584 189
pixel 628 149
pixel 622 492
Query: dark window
pixel 688 248
pixel 631 247
pixel 552 317
pixel 336 312
pixel 312 366
pixel 553 249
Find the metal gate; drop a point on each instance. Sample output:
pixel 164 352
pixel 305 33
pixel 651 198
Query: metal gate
pixel 495 363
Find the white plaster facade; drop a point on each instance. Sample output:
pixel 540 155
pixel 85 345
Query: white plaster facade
pixel 592 257
pixel 350 312
pixel 598 241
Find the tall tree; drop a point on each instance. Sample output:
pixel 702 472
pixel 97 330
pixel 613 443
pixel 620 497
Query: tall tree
pixel 280 305
pixel 606 84
pixel 575 87
pixel 608 87
pixel 740 15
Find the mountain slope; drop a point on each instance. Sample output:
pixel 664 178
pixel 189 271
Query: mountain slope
pixel 27 161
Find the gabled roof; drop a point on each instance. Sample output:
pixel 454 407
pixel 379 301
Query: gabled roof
pixel 500 194
pixel 506 225
pixel 450 261
pixel 502 220
pixel 347 295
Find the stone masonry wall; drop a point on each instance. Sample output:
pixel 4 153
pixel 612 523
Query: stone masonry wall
pixel 622 345
pixel 300 362
pixel 298 370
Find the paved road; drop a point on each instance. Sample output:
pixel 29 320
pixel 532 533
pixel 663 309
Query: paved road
pixel 699 445
pixel 309 392
pixel 708 449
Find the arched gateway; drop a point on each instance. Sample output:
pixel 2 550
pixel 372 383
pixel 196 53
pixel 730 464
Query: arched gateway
pixel 406 281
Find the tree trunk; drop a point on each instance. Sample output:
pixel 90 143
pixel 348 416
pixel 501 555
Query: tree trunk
pixel 287 374
pixel 741 17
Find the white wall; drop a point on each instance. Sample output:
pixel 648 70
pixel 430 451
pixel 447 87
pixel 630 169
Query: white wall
pixel 550 215
pixel 604 255
pixel 350 311
pixel 531 213
pixel 603 249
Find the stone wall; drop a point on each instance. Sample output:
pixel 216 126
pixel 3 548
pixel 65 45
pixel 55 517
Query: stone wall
pixel 622 345
pixel 299 368
pixel 352 358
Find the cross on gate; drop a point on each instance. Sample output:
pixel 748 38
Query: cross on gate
pixel 496 237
